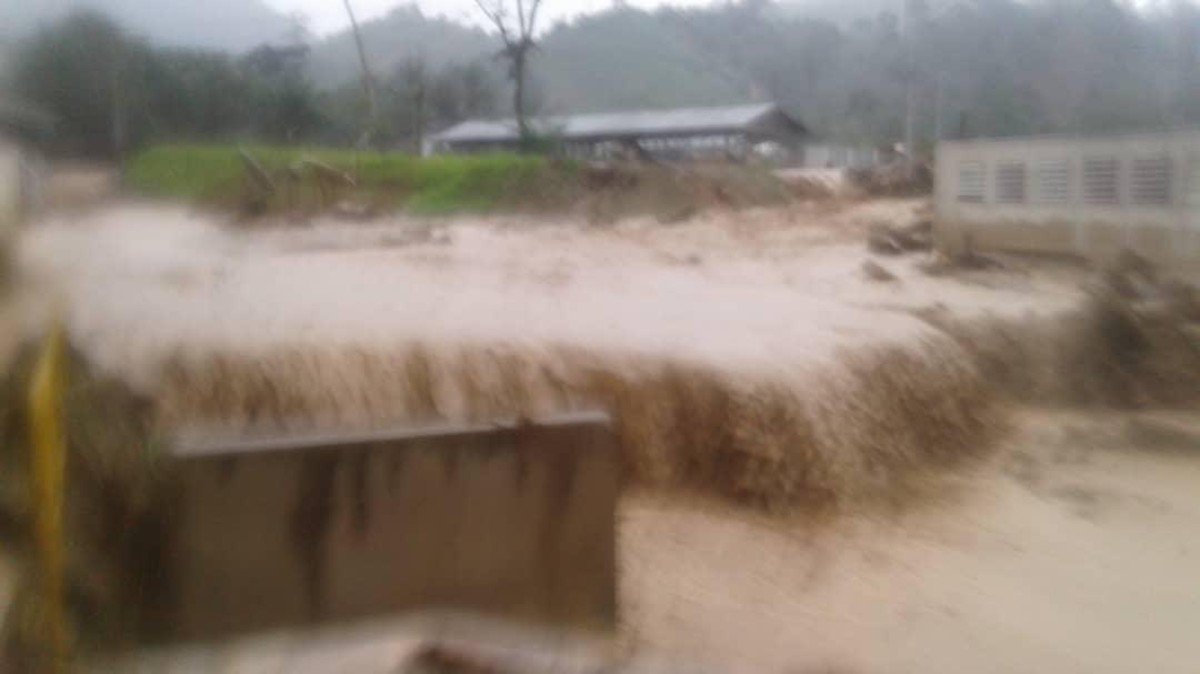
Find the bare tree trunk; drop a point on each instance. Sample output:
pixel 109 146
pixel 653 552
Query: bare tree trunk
pixel 1186 59
pixel 518 41
pixel 118 108
pixel 419 126
pixel 910 140
pixel 368 82
pixel 519 96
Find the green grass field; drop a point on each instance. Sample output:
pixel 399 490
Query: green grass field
pixel 215 174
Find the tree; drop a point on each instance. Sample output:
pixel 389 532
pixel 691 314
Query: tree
pixel 517 42
pixel 477 91
pixel 460 92
pixel 415 98
pixel 86 72
pixel 109 92
pixel 283 104
pixel 196 94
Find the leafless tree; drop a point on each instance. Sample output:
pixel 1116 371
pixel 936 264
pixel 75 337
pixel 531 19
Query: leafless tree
pixel 518 43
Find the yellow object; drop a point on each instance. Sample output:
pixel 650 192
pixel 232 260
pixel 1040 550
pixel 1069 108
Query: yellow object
pixel 49 476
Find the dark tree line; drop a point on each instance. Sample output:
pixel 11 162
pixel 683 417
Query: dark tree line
pixel 110 92
pixel 969 67
pixel 414 99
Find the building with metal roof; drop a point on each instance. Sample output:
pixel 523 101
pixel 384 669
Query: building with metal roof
pixel 679 133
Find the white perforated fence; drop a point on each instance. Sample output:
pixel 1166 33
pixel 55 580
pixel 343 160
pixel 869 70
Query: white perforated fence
pixel 1091 180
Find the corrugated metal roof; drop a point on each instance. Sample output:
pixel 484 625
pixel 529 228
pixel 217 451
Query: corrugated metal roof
pixel 634 123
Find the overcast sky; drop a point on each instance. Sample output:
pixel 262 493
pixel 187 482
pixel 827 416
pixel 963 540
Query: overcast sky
pixel 326 16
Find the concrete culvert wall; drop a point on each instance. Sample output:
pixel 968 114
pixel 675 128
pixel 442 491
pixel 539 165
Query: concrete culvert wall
pixel 229 537
pixel 847 432
pixel 515 521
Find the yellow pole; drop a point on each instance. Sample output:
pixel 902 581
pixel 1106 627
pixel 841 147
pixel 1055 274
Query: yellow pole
pixel 48 461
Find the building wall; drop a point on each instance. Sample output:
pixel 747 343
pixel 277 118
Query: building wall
pixel 819 155
pixel 1085 197
pixel 518 522
pixel 472 147
pixel 10 189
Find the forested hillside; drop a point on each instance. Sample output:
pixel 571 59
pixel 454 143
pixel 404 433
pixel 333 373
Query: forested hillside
pixel 403 34
pixel 973 68
pixel 976 67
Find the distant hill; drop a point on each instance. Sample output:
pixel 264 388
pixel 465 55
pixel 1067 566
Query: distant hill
pixel 620 58
pixel 403 33
pixel 231 25
pixel 629 59
pixel 841 12
pixel 8 51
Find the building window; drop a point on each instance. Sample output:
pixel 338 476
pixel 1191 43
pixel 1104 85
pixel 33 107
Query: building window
pixel 1052 184
pixel 1100 181
pixel 1010 182
pixel 1150 181
pixel 972 178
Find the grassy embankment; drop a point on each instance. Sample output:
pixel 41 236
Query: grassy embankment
pixel 217 175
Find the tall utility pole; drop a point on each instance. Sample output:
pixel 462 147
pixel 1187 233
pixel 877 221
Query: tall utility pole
pixel 910 75
pixel 937 107
pixel 118 110
pixel 368 83
pixel 1186 59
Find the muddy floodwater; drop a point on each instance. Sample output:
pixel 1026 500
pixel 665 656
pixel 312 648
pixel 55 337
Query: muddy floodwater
pixel 763 290
pixel 1073 548
pixel 1075 551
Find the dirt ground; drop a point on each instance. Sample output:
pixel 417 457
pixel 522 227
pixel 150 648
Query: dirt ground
pixel 1073 550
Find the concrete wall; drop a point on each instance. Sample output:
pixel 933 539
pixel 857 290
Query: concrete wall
pixel 516 522
pixel 1168 233
pixel 818 155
